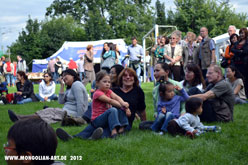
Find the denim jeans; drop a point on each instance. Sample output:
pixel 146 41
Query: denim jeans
pixel 81 75
pixel 55 77
pixel 161 122
pixel 10 79
pixel 108 121
pixel 53 97
pixel 27 100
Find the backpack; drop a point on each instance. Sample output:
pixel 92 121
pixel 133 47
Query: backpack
pixel 8 69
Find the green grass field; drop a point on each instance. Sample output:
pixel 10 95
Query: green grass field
pixel 144 147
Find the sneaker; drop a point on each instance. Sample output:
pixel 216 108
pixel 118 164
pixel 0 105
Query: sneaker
pixel 13 117
pixel 63 135
pixel 161 133
pixel 97 134
pixel 190 135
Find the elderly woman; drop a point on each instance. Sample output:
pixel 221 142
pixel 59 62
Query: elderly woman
pixel 75 100
pixel 173 56
pixel 190 50
pixel 47 89
pixel 193 82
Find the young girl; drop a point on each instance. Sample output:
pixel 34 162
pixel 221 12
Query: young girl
pixel 103 114
pixel 189 124
pixel 168 106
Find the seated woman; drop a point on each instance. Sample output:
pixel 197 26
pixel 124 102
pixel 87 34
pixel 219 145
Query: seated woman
pixel 161 71
pixel 25 89
pixel 75 100
pixel 193 82
pixel 114 73
pixel 235 78
pixel 47 89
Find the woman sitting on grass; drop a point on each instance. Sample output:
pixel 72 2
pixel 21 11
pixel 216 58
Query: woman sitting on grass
pixel 168 106
pixel 47 89
pixel 235 78
pixel 193 82
pixel 189 124
pixel 75 100
pixel 103 114
pixel 161 71
pixel 25 89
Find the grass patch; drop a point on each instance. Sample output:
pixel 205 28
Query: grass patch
pixel 144 147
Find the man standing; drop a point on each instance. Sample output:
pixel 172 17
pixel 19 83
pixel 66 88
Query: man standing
pixel 206 51
pixel 21 64
pixel 80 68
pixel 218 97
pixel 135 52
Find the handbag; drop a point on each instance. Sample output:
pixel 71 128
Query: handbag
pixel 224 63
pixel 108 62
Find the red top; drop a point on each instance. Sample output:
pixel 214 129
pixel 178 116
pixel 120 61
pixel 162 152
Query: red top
pixel 99 107
pixel 72 65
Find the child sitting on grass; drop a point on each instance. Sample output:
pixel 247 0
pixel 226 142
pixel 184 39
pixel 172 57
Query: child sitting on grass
pixel 189 124
pixel 103 114
pixel 168 106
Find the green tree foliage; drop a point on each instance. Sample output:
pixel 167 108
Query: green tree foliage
pixel 28 43
pixel 41 40
pixel 56 31
pixel 107 19
pixel 191 15
pixel 160 12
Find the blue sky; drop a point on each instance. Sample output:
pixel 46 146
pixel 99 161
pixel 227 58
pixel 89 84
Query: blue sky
pixel 14 14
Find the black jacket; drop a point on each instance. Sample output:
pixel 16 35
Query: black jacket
pixel 27 90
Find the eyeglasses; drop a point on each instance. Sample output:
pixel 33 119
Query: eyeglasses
pixel 46 76
pixel 6 147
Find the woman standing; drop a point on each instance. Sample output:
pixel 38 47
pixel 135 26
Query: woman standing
pixel 89 66
pixel 240 51
pixel 190 51
pixel 47 89
pixel 108 57
pixel 173 56
pixel 25 90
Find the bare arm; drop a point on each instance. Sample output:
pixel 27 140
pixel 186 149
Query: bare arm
pixel 213 57
pixel 108 100
pixel 237 89
pixel 205 96
pixel 119 99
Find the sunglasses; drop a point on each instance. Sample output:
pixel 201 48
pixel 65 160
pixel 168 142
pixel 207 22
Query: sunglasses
pixel 46 76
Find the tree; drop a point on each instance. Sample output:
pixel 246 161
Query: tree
pixel 28 43
pixel 191 15
pixel 160 10
pixel 106 19
pixel 56 31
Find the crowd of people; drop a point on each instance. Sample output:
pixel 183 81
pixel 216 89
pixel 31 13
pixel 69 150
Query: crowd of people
pixel 189 88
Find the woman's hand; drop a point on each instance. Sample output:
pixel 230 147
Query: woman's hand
pixel 19 93
pixel 125 104
pixel 128 112
pixel 61 81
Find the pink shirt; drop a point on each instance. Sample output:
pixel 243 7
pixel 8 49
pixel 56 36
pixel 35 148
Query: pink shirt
pixel 99 107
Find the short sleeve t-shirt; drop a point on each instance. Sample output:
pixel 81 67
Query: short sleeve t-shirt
pixel 99 107
pixel 224 101
pixel 239 81
pixel 135 99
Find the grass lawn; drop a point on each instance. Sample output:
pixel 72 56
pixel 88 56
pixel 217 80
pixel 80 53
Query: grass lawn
pixel 144 147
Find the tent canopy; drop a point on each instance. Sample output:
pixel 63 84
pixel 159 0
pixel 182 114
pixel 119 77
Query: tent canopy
pixel 75 50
